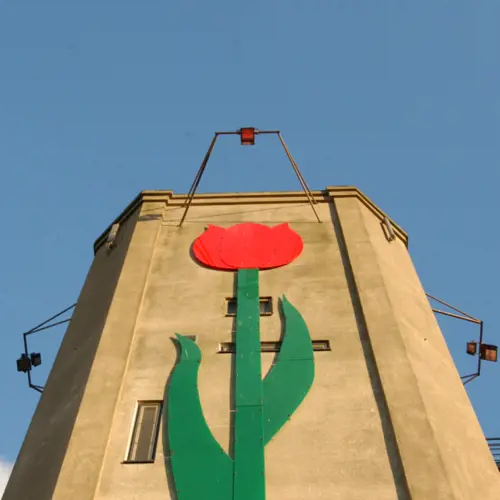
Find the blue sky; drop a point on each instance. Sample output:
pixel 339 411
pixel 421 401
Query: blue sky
pixel 99 100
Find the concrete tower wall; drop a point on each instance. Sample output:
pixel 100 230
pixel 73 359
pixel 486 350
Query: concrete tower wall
pixel 387 416
pixel 46 443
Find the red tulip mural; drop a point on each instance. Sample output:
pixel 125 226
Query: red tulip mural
pixel 201 469
pixel 248 246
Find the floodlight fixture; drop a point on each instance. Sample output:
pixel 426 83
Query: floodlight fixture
pixel 36 359
pixel 247 136
pixel 472 348
pixel 488 352
pixel 27 361
pixel 23 363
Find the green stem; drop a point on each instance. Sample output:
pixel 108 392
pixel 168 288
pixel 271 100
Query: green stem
pixel 249 480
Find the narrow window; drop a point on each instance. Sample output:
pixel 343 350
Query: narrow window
pixel 269 346
pixel 231 307
pixel 145 433
pixel 266 306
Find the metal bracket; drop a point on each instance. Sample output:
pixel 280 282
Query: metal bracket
pixel 388 229
pixel 111 239
pixel 198 176
pixel 25 357
pixel 464 317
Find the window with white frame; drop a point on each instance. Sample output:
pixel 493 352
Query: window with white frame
pixel 145 432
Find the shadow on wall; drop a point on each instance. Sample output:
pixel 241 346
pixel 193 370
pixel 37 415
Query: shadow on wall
pixel 391 444
pixel 166 445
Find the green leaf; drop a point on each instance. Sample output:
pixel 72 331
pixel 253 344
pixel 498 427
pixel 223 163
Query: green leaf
pixel 201 468
pixel 291 377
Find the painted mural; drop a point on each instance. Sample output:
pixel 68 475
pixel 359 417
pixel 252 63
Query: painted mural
pixel 200 467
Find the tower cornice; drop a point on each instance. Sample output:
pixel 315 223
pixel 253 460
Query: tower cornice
pixel 172 199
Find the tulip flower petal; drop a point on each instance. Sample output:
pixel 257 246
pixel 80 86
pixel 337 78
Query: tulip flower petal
pixel 245 246
pixel 207 247
pixel 287 243
pixel 248 246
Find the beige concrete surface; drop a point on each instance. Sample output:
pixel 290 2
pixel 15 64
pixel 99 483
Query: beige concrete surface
pixel 333 446
pixel 377 421
pixel 39 462
pixel 440 442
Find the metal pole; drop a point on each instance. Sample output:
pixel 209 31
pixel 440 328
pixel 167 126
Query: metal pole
pixel 48 326
pixel 295 167
pixel 301 179
pixel 50 319
pixel 194 185
pixel 478 322
pixel 197 179
pixel 480 343
pixel 471 379
pixel 451 307
pixel 27 355
pixel 25 343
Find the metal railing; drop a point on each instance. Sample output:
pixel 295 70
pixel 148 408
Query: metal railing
pixel 494 444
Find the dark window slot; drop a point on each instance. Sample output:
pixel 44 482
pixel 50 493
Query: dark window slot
pixel 266 306
pixel 269 346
